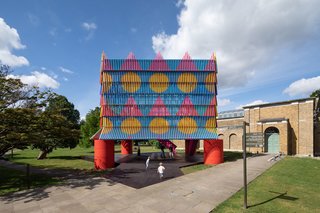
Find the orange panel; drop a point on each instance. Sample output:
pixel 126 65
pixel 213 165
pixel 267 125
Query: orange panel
pixel 103 154
pixel 213 151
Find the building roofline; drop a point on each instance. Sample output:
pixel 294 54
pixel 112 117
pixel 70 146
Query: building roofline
pixel 279 103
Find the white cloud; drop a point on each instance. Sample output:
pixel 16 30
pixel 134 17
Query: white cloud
pixel 65 70
pixel 89 26
pixel 10 40
pixel 223 102
pixel 243 33
pixel 65 78
pixel 133 30
pixel 256 102
pixel 303 87
pixel 39 79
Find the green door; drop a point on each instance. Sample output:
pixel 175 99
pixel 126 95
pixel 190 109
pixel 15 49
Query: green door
pixel 273 145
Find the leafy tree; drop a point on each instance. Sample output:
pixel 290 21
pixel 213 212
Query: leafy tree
pixel 59 125
pixel 315 93
pixel 19 107
pixel 89 127
pixel 316 115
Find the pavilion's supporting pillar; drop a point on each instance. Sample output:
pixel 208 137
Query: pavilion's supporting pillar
pixel 190 147
pixel 126 147
pixel 213 151
pixel 103 154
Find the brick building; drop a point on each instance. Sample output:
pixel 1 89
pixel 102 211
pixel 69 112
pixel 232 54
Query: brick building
pixel 291 127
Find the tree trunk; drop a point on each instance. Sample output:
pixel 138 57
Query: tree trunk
pixel 42 155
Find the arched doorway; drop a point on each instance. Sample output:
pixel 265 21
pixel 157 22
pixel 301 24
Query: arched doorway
pixel 233 141
pixel 272 142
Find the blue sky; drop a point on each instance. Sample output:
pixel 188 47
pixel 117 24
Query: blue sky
pixel 267 51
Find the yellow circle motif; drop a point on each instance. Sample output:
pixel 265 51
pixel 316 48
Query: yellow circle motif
pixel 187 82
pixel 210 80
pixel 159 126
pixel 130 126
pixel 211 125
pixel 159 82
pixel 187 125
pixel 107 125
pixel 106 82
pixel 131 82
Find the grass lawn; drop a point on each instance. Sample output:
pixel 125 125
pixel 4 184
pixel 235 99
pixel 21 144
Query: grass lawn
pixel 292 185
pixel 228 156
pixel 12 181
pixel 59 158
pixel 64 158
pixel 194 168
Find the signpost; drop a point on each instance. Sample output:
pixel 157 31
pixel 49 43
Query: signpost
pixel 255 139
pixel 244 146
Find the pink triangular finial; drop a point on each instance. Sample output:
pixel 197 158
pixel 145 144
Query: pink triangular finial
pixel 211 63
pixel 105 63
pixel 131 56
pixel 158 56
pixel 186 64
pixel 159 63
pixel 211 110
pixel 159 109
pixel 186 56
pixel 131 108
pixel 131 63
pixel 187 108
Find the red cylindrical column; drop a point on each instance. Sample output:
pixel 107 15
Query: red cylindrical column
pixel 103 154
pixel 126 147
pixel 190 147
pixel 213 151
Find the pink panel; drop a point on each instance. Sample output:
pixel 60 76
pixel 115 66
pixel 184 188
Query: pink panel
pixel 131 108
pixel 159 109
pixel 105 64
pixel 187 108
pixel 131 63
pixel 211 64
pixel 211 110
pixel 107 111
pixel 186 63
pixel 159 64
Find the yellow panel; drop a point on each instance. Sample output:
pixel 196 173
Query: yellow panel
pixel 159 126
pixel 130 126
pixel 131 82
pixel 187 82
pixel 210 80
pixel 187 125
pixel 211 125
pixel 159 82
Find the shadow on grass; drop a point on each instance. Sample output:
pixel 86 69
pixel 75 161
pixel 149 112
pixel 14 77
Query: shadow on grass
pixel 42 185
pixel 283 196
pixel 65 157
pixel 233 156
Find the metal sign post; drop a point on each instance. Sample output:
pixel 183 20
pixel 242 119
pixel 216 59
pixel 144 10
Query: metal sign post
pixel 244 165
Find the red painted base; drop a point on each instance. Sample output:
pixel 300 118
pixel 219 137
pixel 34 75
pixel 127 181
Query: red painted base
pixel 213 151
pixel 126 147
pixel 103 154
pixel 190 147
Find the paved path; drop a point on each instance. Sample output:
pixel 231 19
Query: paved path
pixel 197 192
